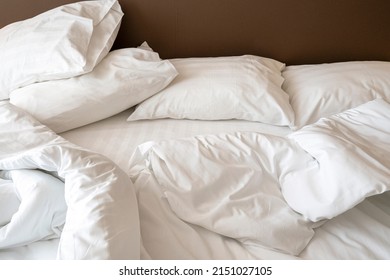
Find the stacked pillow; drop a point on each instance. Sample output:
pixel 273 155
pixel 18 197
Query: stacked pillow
pixel 57 66
pixel 123 79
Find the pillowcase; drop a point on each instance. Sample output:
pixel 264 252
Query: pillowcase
pixel 325 89
pixel 60 43
pixel 217 88
pixel 124 78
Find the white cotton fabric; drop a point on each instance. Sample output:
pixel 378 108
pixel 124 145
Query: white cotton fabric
pixel 118 139
pixel 351 161
pixel 321 90
pixel 360 233
pixel 123 79
pixel 42 210
pixel 229 184
pixel 9 201
pixel 63 42
pixel 102 219
pixel 218 88
pixel 268 190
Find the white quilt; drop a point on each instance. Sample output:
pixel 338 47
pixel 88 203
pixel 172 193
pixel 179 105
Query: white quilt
pixel 268 190
pixel 351 161
pixel 62 190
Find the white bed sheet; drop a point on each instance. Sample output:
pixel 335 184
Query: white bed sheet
pixel 116 138
pixel 361 233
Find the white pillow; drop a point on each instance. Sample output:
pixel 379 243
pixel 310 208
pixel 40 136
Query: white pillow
pixel 60 43
pixel 325 89
pixel 241 87
pixel 124 78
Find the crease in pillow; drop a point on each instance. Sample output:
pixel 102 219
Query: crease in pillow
pixel 124 78
pixel 321 90
pixel 60 43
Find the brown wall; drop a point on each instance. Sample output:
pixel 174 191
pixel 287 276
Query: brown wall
pixel 293 31
pixel 14 10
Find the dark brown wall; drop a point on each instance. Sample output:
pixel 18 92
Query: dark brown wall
pixel 293 31
pixel 15 10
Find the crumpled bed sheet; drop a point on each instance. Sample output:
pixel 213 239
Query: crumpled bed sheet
pixel 101 209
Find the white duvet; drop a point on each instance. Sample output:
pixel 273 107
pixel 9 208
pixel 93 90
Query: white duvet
pixel 351 161
pixel 267 190
pixel 56 189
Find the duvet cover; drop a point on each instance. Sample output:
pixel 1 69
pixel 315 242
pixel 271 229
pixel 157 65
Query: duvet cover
pixel 272 191
pixel 55 189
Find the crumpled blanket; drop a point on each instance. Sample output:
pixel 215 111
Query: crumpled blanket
pixel 44 194
pixel 267 190
pixel 102 219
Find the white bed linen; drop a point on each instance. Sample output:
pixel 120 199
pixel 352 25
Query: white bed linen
pixel 361 233
pixel 45 194
pixel 210 180
pixel 117 138
pixel 96 192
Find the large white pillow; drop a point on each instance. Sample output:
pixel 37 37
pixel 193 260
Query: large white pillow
pixel 322 90
pixel 217 88
pixel 60 43
pixel 124 78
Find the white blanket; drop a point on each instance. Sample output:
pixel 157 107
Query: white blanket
pixel 351 161
pixel 102 215
pixel 42 210
pixel 262 189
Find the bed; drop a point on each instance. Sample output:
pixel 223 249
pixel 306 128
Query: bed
pixel 194 130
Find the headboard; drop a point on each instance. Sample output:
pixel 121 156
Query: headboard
pixel 292 31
